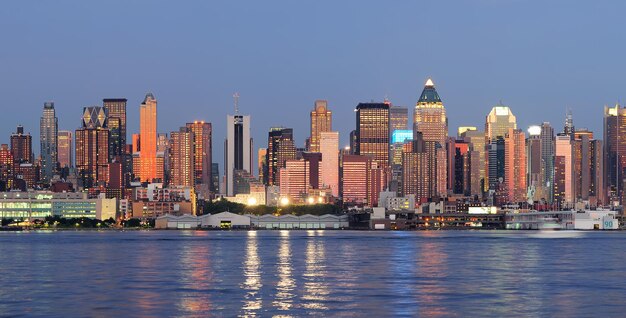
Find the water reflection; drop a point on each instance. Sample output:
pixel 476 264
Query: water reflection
pixel 252 273
pixel 432 268
pixel 286 284
pixel 315 288
pixel 196 275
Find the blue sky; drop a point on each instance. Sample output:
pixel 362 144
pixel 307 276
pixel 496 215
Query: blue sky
pixel 538 57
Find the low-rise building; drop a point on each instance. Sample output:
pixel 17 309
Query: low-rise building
pixel 41 204
pixel 225 220
pixel 307 221
pixel 562 220
pixel 168 221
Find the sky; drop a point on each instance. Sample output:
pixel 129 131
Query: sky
pixel 537 57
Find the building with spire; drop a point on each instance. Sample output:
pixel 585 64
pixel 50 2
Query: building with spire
pixel 237 148
pixel 48 134
pixel 431 121
pixel 430 115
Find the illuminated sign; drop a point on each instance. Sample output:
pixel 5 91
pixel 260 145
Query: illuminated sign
pixel 401 136
pixel 482 210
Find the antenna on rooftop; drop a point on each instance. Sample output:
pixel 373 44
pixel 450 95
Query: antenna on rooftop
pixel 236 97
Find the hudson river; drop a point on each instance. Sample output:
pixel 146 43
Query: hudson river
pixel 320 273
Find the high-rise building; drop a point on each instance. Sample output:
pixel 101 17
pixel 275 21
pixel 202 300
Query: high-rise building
pixel 563 148
pixel 92 145
pixel 398 118
pixel 182 167
pixel 65 149
pixel 372 132
pixel 262 162
pixel 215 177
pixel 237 149
pixel 430 119
pixel 148 138
pixel 116 109
pixel 587 165
pixel 295 180
pixel 614 151
pixel 329 147
pixel 495 159
pixel 361 180
pixel 535 168
pixel 48 132
pixel 321 120
pixel 515 165
pixel 280 148
pixel 478 176
pixel 498 122
pixel 202 145
pixel 22 146
pixel 430 115
pixel 547 158
pixel 417 162
pixel 6 167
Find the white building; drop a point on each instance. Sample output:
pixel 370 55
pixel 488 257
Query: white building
pixel 562 220
pixel 390 201
pixel 238 146
pixel 224 220
pixel 307 221
pixel 168 221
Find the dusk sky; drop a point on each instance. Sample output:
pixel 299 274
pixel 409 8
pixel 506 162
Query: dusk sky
pixel 538 57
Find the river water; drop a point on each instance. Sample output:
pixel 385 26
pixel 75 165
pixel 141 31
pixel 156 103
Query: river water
pixel 319 273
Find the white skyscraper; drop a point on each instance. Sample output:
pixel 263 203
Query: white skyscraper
pixel 237 149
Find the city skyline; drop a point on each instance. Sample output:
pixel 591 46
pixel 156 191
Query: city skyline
pixel 472 73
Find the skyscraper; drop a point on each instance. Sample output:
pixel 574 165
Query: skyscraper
pixel 182 167
pixel 361 180
pixel 321 120
pixel 547 158
pixel 614 150
pixel 478 176
pixel 22 146
pixel 329 147
pixel 498 122
pixel 280 148
pixel 295 180
pixel 430 119
pixel 535 168
pixel 116 109
pixel 65 149
pixel 515 165
pixel 417 163
pixel 237 149
pixel 202 144
pixel 372 132
pixel 92 145
pixel 563 147
pixel 430 115
pixel 48 131
pixel 398 118
pixel 148 138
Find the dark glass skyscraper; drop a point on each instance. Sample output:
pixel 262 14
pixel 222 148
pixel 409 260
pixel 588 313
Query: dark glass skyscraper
pixel 48 133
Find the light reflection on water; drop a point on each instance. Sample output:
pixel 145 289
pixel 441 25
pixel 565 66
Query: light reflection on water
pixel 302 273
pixel 251 270
pixel 283 299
